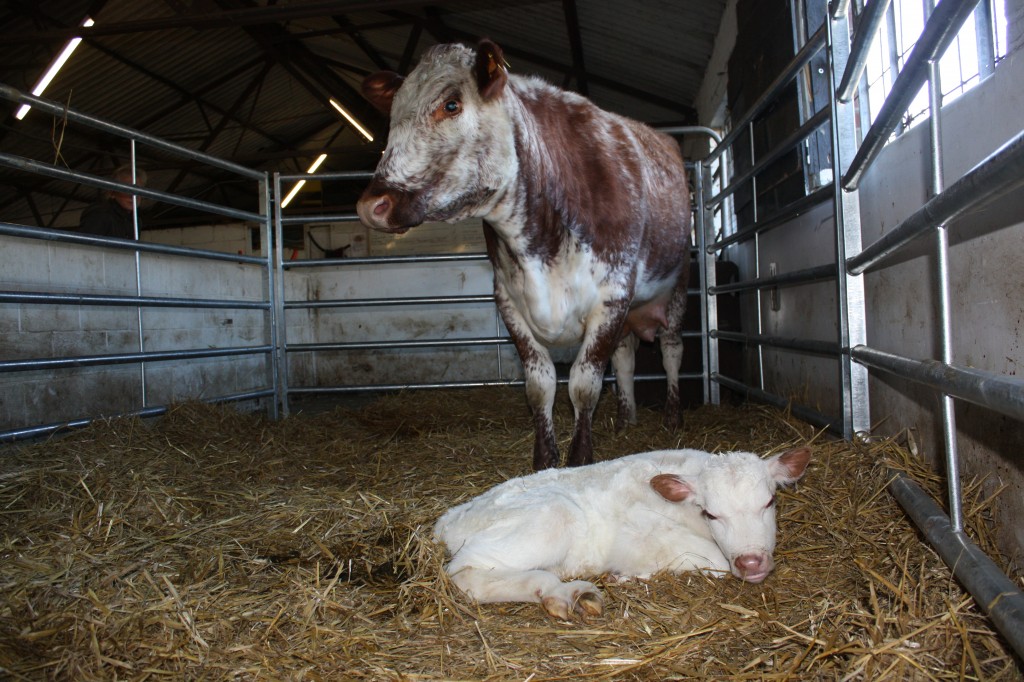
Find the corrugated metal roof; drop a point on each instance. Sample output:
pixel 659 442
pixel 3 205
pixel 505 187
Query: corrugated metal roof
pixel 250 82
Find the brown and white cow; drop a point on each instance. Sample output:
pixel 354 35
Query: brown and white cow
pixel 587 219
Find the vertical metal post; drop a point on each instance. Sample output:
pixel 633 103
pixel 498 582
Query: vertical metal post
pixel 757 261
pixel 266 232
pixel 138 277
pixel 708 279
pixel 275 250
pixel 942 289
pixel 851 325
pixel 983 26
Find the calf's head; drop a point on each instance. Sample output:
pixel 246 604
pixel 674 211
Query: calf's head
pixel 736 495
pixel 450 145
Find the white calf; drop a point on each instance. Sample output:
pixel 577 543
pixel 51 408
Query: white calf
pixel 670 510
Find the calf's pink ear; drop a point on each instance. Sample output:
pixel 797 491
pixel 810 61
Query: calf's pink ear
pixel 789 466
pixel 490 69
pixel 671 487
pixel 380 89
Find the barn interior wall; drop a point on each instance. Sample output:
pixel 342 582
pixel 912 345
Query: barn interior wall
pixel 34 331
pixel 987 290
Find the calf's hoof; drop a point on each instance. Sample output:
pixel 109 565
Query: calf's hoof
pixel 579 598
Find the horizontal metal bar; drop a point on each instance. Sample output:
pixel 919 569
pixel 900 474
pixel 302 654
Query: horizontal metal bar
pixel 994 593
pixel 389 260
pixel 62 112
pixel 780 150
pixel 799 411
pixel 996 392
pixel 815 274
pixel 943 25
pixel 781 217
pixel 364 388
pixel 829 348
pixel 32 166
pixel 397 345
pixel 319 219
pixel 46 234
pixel 867 29
pixel 1000 172
pixel 417 343
pixel 806 53
pixel 398 300
pixel 155 411
pixel 127 358
pixel 142 301
pixel 692 130
pixel 333 175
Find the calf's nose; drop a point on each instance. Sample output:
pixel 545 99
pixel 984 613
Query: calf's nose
pixel 753 567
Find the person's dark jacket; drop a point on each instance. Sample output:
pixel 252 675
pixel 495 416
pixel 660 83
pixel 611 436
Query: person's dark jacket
pixel 106 219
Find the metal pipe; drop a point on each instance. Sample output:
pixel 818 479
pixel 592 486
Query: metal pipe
pixel 32 166
pixel 388 260
pixel 947 407
pixel 780 150
pixel 275 252
pixel 413 300
pixel 42 233
pixel 608 379
pixel 155 411
pixel 993 592
pixel 799 411
pixel 62 112
pixel 829 348
pixel 128 358
pixel 781 217
pixel 996 392
pixel 867 29
pixel 799 61
pixel 815 274
pixel 141 301
pixel 1000 172
pixel 942 27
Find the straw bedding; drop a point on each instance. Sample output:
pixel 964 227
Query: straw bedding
pixel 210 545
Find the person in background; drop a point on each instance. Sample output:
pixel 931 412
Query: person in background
pixel 111 216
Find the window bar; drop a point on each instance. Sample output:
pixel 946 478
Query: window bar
pixel 867 31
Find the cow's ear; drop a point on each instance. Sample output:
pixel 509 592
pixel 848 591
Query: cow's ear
pixel 790 465
pixel 490 69
pixel 380 89
pixel 671 487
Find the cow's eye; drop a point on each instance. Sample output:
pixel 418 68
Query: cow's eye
pixel 709 517
pixel 771 503
pixel 452 107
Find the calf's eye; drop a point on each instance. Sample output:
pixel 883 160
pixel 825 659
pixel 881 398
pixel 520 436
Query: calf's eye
pixel 452 107
pixel 771 503
pixel 709 517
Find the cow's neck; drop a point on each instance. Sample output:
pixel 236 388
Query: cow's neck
pixel 548 200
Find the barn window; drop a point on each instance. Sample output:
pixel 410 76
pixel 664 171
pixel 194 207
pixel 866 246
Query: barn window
pixel 973 55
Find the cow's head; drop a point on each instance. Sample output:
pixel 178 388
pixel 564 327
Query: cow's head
pixel 449 148
pixel 736 495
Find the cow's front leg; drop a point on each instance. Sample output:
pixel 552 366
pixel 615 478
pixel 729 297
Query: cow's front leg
pixel 624 363
pixel 541 381
pixel 586 377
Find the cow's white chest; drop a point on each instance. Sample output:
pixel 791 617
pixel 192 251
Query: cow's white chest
pixel 559 301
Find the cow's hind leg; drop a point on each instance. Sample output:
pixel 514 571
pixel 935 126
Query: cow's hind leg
pixel 559 599
pixel 624 363
pixel 671 341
